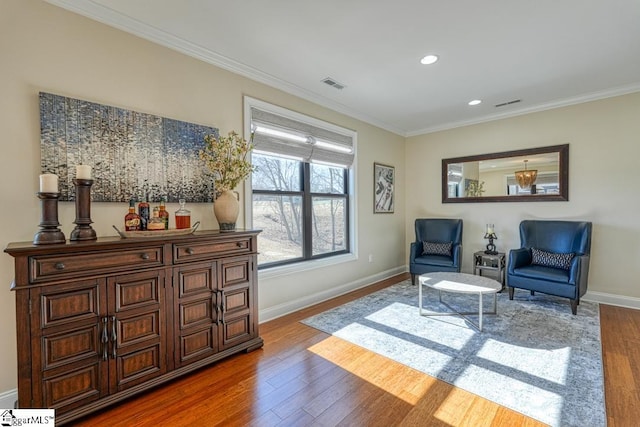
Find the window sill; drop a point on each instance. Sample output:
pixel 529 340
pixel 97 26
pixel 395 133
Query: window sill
pixel 303 266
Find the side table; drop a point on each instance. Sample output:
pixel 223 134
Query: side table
pixel 486 262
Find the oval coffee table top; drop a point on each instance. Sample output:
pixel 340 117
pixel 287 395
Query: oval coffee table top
pixel 460 283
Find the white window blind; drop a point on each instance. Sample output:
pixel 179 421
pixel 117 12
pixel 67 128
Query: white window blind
pixel 279 135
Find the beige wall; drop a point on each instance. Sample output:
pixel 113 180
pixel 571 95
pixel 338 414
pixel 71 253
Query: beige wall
pixel 45 48
pixel 604 148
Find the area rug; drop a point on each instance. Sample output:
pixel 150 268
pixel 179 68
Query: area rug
pixel 534 356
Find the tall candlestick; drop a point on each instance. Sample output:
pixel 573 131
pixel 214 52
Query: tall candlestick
pixel 83 172
pixel 48 183
pixel 83 230
pixel 49 232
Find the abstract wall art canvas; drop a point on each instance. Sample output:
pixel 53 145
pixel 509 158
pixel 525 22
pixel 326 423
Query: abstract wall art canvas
pixel 132 154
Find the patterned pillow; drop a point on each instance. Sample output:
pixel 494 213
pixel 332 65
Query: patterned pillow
pixel 550 259
pixel 435 248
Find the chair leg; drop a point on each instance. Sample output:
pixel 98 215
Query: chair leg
pixel 574 306
pixel 413 279
pixel 511 292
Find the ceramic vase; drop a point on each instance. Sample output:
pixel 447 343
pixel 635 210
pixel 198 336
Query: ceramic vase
pixel 226 208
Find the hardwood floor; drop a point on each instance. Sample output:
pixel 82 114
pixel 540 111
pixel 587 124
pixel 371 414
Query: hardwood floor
pixel 620 332
pixel 304 377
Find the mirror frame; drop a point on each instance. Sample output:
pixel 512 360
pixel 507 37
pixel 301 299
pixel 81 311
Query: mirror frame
pixel 563 175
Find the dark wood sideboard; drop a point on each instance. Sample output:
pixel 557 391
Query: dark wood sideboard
pixel 100 321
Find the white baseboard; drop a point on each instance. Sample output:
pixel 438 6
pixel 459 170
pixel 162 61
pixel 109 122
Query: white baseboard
pixel 612 299
pixel 309 300
pixel 8 399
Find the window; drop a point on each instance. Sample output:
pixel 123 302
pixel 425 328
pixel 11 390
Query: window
pixel 301 191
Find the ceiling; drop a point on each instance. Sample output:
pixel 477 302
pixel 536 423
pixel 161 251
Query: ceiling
pixel 545 53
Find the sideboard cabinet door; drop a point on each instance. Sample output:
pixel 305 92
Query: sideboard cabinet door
pixel 196 312
pixel 67 358
pixel 138 341
pixel 238 307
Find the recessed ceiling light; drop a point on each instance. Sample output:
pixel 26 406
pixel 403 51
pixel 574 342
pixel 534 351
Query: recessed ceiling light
pixel 475 102
pixel 429 59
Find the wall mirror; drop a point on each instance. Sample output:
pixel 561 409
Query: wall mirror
pixel 531 175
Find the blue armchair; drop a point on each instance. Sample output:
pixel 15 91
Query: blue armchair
pixel 438 246
pixel 553 259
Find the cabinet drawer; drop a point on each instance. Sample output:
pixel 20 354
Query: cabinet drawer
pixel 187 252
pixel 79 264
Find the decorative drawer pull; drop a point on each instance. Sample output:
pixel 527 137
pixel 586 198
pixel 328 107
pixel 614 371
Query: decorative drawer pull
pixel 59 266
pixel 114 337
pixel 190 251
pixel 221 305
pixel 105 339
pixel 239 244
pixel 144 256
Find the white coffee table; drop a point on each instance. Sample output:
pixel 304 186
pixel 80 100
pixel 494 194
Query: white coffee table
pixel 460 283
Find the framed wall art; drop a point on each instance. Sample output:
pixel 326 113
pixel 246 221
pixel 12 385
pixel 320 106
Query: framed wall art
pixel 383 188
pixel 133 154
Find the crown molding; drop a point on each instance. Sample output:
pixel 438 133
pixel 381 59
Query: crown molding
pixel 112 18
pixel 593 96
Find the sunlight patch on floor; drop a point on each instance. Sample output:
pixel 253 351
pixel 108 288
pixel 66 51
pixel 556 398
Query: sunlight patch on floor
pixel 512 391
pixel 431 399
pixel 395 378
pixel 551 363
pixel 404 318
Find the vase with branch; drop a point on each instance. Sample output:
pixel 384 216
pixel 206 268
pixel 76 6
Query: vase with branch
pixel 228 159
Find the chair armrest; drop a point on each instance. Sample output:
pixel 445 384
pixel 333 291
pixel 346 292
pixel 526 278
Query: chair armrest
pixel 456 251
pixel 518 258
pixel 579 271
pixel 415 251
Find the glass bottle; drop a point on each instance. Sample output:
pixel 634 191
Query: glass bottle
pixel 132 219
pixel 155 223
pixel 143 211
pixel 183 216
pixel 163 214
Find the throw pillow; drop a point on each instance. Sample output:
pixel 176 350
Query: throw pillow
pixel 435 248
pixel 550 259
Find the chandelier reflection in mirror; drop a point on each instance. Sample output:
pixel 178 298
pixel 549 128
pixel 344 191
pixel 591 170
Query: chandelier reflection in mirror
pixel 526 178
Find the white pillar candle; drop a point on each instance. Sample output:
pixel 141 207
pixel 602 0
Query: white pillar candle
pixel 83 172
pixel 48 183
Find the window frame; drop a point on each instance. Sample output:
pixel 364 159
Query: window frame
pixel 307 215
pixel 349 196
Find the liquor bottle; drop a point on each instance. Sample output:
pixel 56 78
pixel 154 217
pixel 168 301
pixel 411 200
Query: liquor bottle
pixel 163 214
pixel 183 216
pixel 132 219
pixel 143 211
pixel 155 223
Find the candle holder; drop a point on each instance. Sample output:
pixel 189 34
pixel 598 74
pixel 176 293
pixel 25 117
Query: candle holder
pixel 83 230
pixel 49 232
pixel 491 235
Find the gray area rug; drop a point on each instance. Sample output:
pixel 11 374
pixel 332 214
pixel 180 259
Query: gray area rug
pixel 534 357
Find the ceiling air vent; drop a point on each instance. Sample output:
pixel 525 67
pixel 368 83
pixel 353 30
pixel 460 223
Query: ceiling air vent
pixel 515 101
pixel 331 82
